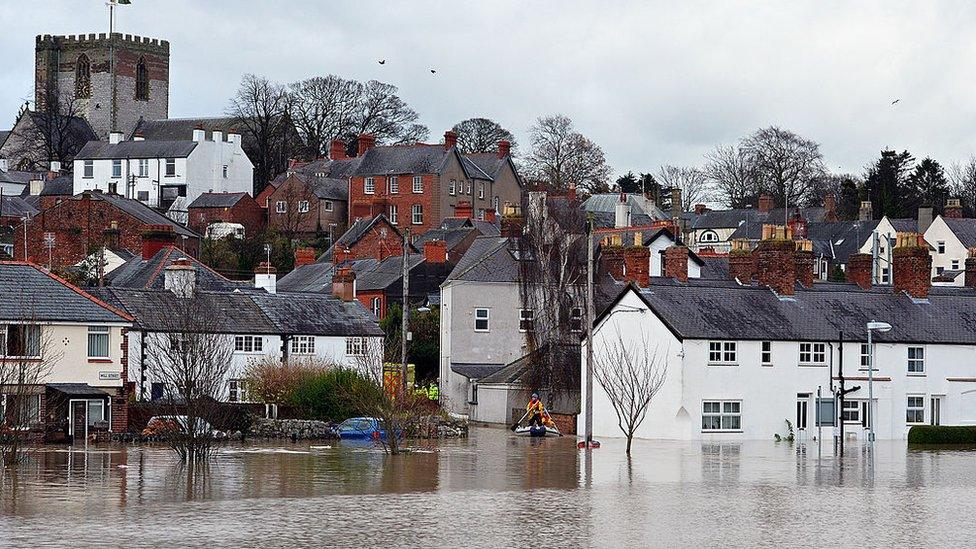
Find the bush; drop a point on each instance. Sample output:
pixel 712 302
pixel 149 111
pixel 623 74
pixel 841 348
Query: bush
pixel 942 434
pixel 334 395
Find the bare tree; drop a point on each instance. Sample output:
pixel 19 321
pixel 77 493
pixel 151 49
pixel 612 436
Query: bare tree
pixel 293 221
pixel 786 165
pixel 962 178
pixel 564 158
pixel 731 175
pixel 52 132
pixel 192 358
pixel 382 113
pixel 481 135
pixel 631 373
pixel 693 183
pixel 325 108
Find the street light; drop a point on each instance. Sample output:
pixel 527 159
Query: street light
pixel 880 327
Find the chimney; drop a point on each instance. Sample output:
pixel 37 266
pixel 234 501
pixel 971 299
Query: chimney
pixel 504 148
pixel 865 213
pixel 304 256
pixel 798 225
pixel 676 208
pixel 970 275
pixel 512 225
pixel 266 276
pixel 217 136
pixel 612 260
pixel 450 140
pixel 637 265
pixel 742 264
pixel 765 203
pixel 676 263
pixel 233 136
pixel 912 265
pixel 490 215
pixel 138 136
pixel 344 284
pixel 621 216
pixel 859 270
pixel 830 208
pixel 199 134
pixel 180 278
pixel 803 263
pixel 341 254
pixel 55 167
pixel 36 186
pixel 463 209
pixel 337 150
pixel 953 208
pixel 775 266
pixel 571 192
pixel 435 251
pixel 366 142
pixel 114 137
pixel 924 218
pixel 156 238
pixel 700 209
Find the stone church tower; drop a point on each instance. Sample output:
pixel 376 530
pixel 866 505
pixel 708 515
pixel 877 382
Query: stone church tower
pixel 111 80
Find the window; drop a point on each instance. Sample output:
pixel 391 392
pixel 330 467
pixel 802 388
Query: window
pixel 766 353
pixel 576 319
pixel 526 320
pixel 473 393
pixel 96 412
pixel 170 167
pixel 143 167
pixel 940 245
pixel 418 184
pixel 721 352
pixel 916 360
pixel 143 196
pixel 142 81
pixel 394 210
pixel 481 320
pixel 865 356
pixel 452 187
pixel 469 187
pixel 21 340
pixel 303 206
pixel 377 306
pixel 113 187
pixel 88 171
pixel 116 168
pixel 327 205
pixel 236 390
pixel 884 275
pixel 248 344
pixel 82 77
pixel 281 206
pixel 915 411
pixel 98 342
pixel 393 185
pixel 225 171
pixel 303 345
pixel 851 412
pixel 369 186
pixel 813 353
pixel 481 190
pixel 417 214
pixel 355 346
pixel 20 410
pixel 721 415
pixel 955 265
pixel 708 236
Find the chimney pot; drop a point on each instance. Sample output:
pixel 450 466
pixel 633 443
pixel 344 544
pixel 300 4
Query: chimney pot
pixel 114 137
pixel 344 284
pixel 199 134
pixel 450 139
pixel 435 251
pixel 970 275
pixel 504 148
pixel 700 209
pixel 803 261
pixel 156 238
pixel 953 208
pixel 180 277
pixel 366 142
pixel 865 213
pixel 765 203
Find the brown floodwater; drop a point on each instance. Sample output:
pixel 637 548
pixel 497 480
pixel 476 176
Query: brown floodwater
pixel 492 490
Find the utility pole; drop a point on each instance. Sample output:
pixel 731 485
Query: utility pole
pixel 405 317
pixel 590 316
pixel 840 374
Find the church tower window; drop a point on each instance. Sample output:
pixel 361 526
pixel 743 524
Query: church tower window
pixel 83 77
pixel 142 80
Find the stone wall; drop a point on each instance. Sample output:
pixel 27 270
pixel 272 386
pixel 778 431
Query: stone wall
pixel 303 429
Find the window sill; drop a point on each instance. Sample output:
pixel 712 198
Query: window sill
pixel 706 431
pixel 811 365
pixel 100 361
pixel 723 364
pixel 916 374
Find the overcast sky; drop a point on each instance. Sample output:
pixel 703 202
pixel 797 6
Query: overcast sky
pixel 651 83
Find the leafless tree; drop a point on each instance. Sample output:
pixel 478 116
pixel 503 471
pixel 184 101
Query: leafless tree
pixel 962 177
pixel 562 157
pixel 27 356
pixel 731 175
pixel 631 373
pixel 293 221
pixel 786 165
pixel 481 135
pixel 382 113
pixel 192 358
pixel 325 108
pixel 52 132
pixel 693 183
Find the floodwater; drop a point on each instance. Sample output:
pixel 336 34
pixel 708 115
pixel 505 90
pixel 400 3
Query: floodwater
pixel 493 490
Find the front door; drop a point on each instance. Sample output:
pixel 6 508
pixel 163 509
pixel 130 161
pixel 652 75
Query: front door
pixel 936 412
pixel 802 402
pixel 79 420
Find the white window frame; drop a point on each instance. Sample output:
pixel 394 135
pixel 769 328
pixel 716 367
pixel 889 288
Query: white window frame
pixel 236 390
pixel 117 168
pixel 170 168
pixel 576 320
pixel 813 353
pixel 88 169
pixel 97 334
pixel 417 214
pixel 865 357
pixel 852 409
pixel 355 346
pixel 452 187
pixel 954 265
pixel 940 247
pixel 281 207
pixel 369 186
pixel 394 213
pixel 482 314
pixel 303 206
pixel 418 184
pixel 916 364
pixel 727 412
pixel 303 345
pixel 142 196
pixel 392 185
pixel 481 190
pixel 526 320
pixel 4 330
pixel 765 353
pixel 327 205
pixel 915 409
pixel 248 344
pixel 143 167
pixel 377 306
pixel 722 353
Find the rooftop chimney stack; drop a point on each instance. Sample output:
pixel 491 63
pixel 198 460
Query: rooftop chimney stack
pixel 970 275
pixel 676 263
pixel 612 261
pixel 700 209
pixel 830 208
pixel 637 265
pixel 464 209
pixel 344 284
pixel 803 260
pixel 571 192
pixel 199 134
pixel 114 137
pixel 435 251
pixel 742 264
pixel 865 213
pixel 621 217
pixel 36 186
pixel 924 218
pixel 180 278
pixel 859 270
pixel 234 137
pixel 953 208
pixel 55 167
pixel 912 265
pixel 765 203
pixel 138 136
pixel 504 148
pixel 450 140
pixel 366 142
pixel 304 256
pixel 798 225
pixel 775 264
pixel 156 238
pixel 337 150
pixel 266 277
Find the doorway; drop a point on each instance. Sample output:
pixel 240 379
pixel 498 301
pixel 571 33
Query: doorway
pixel 78 421
pixel 935 415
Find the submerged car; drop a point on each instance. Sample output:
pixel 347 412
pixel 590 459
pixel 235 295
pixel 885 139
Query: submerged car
pixel 360 428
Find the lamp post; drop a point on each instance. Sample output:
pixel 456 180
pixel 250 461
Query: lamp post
pixel 880 327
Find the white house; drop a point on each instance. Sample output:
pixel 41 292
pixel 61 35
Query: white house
pixel 741 360
pixel 165 174
pixel 951 239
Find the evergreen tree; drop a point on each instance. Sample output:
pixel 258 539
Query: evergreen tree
pixel 928 186
pixel 887 184
pixel 628 183
pixel 850 200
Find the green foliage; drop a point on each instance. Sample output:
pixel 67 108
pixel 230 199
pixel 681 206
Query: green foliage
pixel 887 184
pixel 334 394
pixel 789 437
pixel 849 202
pixel 837 274
pixel 942 434
pixel 424 349
pixel 928 186
pixel 238 257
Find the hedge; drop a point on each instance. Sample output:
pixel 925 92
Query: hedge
pixel 942 434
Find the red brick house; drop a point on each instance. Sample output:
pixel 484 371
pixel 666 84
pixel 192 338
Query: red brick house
pixel 368 238
pixel 304 205
pixel 68 231
pixel 227 208
pixel 416 186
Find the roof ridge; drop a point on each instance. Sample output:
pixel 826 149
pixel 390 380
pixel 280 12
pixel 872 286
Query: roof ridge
pixel 504 241
pixel 74 288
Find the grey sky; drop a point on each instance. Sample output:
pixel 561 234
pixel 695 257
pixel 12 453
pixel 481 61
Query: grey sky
pixel 652 83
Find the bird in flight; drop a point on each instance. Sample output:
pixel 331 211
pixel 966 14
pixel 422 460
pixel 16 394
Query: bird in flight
pixel 432 71
pixel 382 61
pixel 895 101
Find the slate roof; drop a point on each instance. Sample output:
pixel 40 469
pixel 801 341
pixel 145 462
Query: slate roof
pixel 489 259
pixel 452 237
pixel 964 229
pixel 605 220
pixel 16 177
pixel 103 150
pixel 516 372
pixel 31 293
pixel 325 168
pixel 607 203
pixel 356 231
pixel 139 273
pixel 486 228
pixel 730 219
pixel 141 212
pixel 475 371
pixel 413 159
pixel 832 239
pixel 315 277
pixel 489 163
pixel 371 275
pixel 3 136
pixel 62 185
pixel 715 267
pixel 15 206
pixel 904 225
pixel 181 129
pixel 217 200
pixel 716 310
pixel 317 314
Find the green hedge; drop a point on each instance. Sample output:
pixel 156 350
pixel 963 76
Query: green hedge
pixel 942 434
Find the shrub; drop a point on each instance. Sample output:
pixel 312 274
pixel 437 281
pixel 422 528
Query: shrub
pixel 334 395
pixel 942 434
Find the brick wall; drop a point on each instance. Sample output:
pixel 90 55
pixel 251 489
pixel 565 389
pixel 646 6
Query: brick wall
pixel 362 205
pixel 246 211
pixel 366 298
pixel 380 242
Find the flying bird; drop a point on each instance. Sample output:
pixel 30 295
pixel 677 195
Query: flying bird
pixel 382 61
pixel 895 101
pixel 432 71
